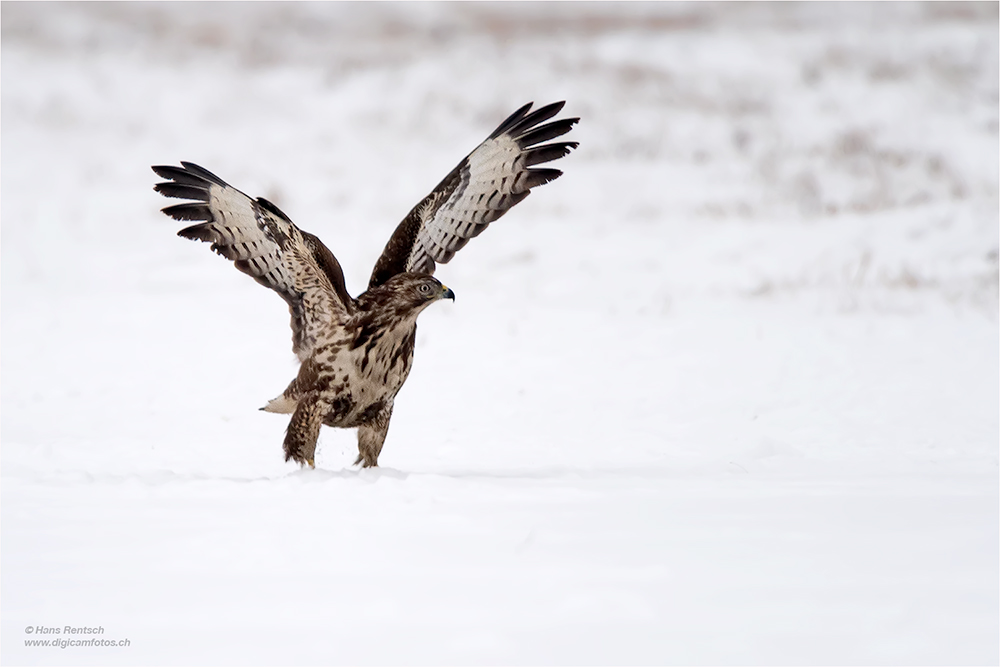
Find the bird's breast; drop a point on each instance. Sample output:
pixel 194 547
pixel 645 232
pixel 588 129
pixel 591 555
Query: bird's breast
pixel 384 360
pixel 361 375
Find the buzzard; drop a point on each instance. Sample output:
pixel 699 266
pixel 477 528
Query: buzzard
pixel 356 353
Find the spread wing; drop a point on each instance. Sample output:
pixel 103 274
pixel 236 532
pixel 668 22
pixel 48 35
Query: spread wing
pixel 265 244
pixel 484 186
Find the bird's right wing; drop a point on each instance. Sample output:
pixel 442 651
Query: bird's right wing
pixel 265 244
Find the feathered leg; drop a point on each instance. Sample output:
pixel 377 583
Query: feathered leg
pixel 371 437
pixel 303 430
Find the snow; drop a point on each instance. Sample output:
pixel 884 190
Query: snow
pixel 726 392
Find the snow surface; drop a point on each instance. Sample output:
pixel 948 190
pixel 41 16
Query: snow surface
pixel 727 392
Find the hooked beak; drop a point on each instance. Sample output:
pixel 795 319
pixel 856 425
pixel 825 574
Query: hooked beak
pixel 447 293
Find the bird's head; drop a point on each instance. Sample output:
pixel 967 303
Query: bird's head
pixel 415 291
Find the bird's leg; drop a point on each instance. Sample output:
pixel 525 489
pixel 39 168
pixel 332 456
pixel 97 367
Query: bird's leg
pixel 371 437
pixel 303 430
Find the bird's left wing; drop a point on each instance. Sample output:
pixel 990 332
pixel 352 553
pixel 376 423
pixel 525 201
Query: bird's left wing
pixel 484 186
pixel 265 244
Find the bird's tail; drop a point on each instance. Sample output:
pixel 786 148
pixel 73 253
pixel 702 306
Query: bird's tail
pixel 282 405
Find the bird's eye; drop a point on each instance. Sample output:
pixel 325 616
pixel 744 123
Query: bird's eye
pixel 425 288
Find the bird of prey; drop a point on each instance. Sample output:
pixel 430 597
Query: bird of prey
pixel 356 353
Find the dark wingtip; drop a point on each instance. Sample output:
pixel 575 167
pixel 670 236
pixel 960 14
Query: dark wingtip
pixel 162 170
pixel 189 211
pixel 548 152
pixel 538 177
pixel 182 191
pixel 202 232
pixel 531 135
pixel 548 111
pixel 511 120
pixel 188 173
pixel 192 168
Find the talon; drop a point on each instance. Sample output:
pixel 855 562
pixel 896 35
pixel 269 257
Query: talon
pixel 310 462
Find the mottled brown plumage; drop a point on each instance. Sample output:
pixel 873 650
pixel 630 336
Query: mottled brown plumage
pixel 356 353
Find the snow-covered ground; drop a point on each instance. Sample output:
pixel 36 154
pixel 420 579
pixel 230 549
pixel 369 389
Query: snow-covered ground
pixel 727 392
